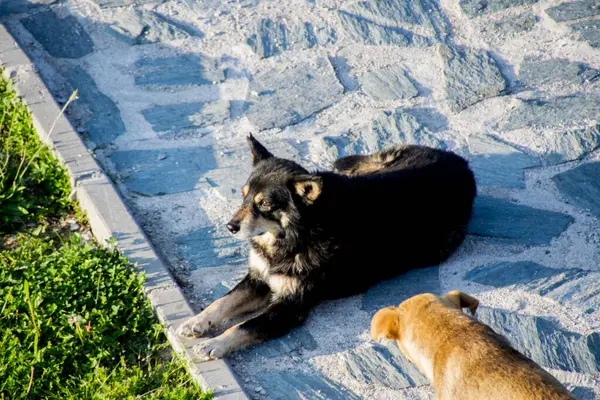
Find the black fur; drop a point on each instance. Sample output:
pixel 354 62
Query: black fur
pixel 360 229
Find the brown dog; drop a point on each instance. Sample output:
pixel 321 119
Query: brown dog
pixel 462 358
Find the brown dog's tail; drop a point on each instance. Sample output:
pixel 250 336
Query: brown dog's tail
pixel 463 300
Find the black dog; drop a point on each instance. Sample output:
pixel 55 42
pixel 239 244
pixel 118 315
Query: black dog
pixel 332 234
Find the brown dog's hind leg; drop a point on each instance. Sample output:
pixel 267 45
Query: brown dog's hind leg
pixel 248 296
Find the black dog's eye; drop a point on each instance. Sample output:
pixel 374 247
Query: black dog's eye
pixel 266 205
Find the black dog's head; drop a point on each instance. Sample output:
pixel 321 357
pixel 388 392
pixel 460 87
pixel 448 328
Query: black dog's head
pixel 273 194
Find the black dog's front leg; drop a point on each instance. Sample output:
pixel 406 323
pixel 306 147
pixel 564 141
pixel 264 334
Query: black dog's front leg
pixel 277 320
pixel 250 295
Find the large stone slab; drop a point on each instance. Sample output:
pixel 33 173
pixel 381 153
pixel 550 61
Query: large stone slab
pixel 573 287
pixel 269 38
pixel 588 31
pixel 498 164
pixel 544 341
pixel 476 8
pixel 555 111
pixel 389 128
pixel 395 127
pixel 518 273
pixel 471 76
pixel 394 291
pixel 566 143
pixel 165 171
pixel 344 73
pixel 383 366
pixel 8 7
pixel 412 13
pixel 515 224
pixel 391 83
pixel 60 37
pixel 535 72
pixel 574 10
pixel 209 247
pixel 185 116
pixel 365 31
pixel 184 70
pixel 289 97
pixel 143 27
pixel 582 392
pixel 346 144
pixel 298 385
pixel 121 3
pixel 292 344
pixel 581 186
pixel 218 291
pixel 572 144
pixel 523 22
pixel 101 117
pixel 223 7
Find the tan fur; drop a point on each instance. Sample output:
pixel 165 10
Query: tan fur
pixel 384 324
pixel 309 189
pixel 243 213
pixel 283 285
pixel 267 239
pixel 256 227
pixel 461 300
pixel 231 340
pixel 236 338
pixel 463 358
pixel 284 220
pixel 245 190
pixel 259 267
pixel 258 198
pixel 222 311
pixel 377 162
pixel 252 226
pixel 367 167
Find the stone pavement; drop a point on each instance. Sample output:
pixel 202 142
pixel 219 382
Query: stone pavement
pixel 169 89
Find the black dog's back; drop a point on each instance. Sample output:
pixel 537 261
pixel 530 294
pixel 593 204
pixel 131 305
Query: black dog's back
pixel 399 157
pixel 402 208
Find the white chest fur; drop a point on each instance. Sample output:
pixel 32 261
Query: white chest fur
pixel 259 266
pixel 281 285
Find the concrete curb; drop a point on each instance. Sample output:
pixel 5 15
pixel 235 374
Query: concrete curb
pixel 109 217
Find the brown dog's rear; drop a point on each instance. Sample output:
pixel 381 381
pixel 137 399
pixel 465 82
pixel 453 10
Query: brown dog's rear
pixel 462 358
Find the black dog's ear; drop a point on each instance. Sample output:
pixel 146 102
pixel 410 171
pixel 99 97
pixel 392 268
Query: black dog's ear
pixel 259 152
pixel 309 187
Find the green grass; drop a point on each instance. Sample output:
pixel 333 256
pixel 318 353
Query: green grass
pixel 33 185
pixel 74 323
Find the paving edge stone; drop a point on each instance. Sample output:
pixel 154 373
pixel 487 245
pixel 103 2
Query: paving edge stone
pixel 109 217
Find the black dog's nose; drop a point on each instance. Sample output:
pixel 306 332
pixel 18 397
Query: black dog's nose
pixel 233 227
